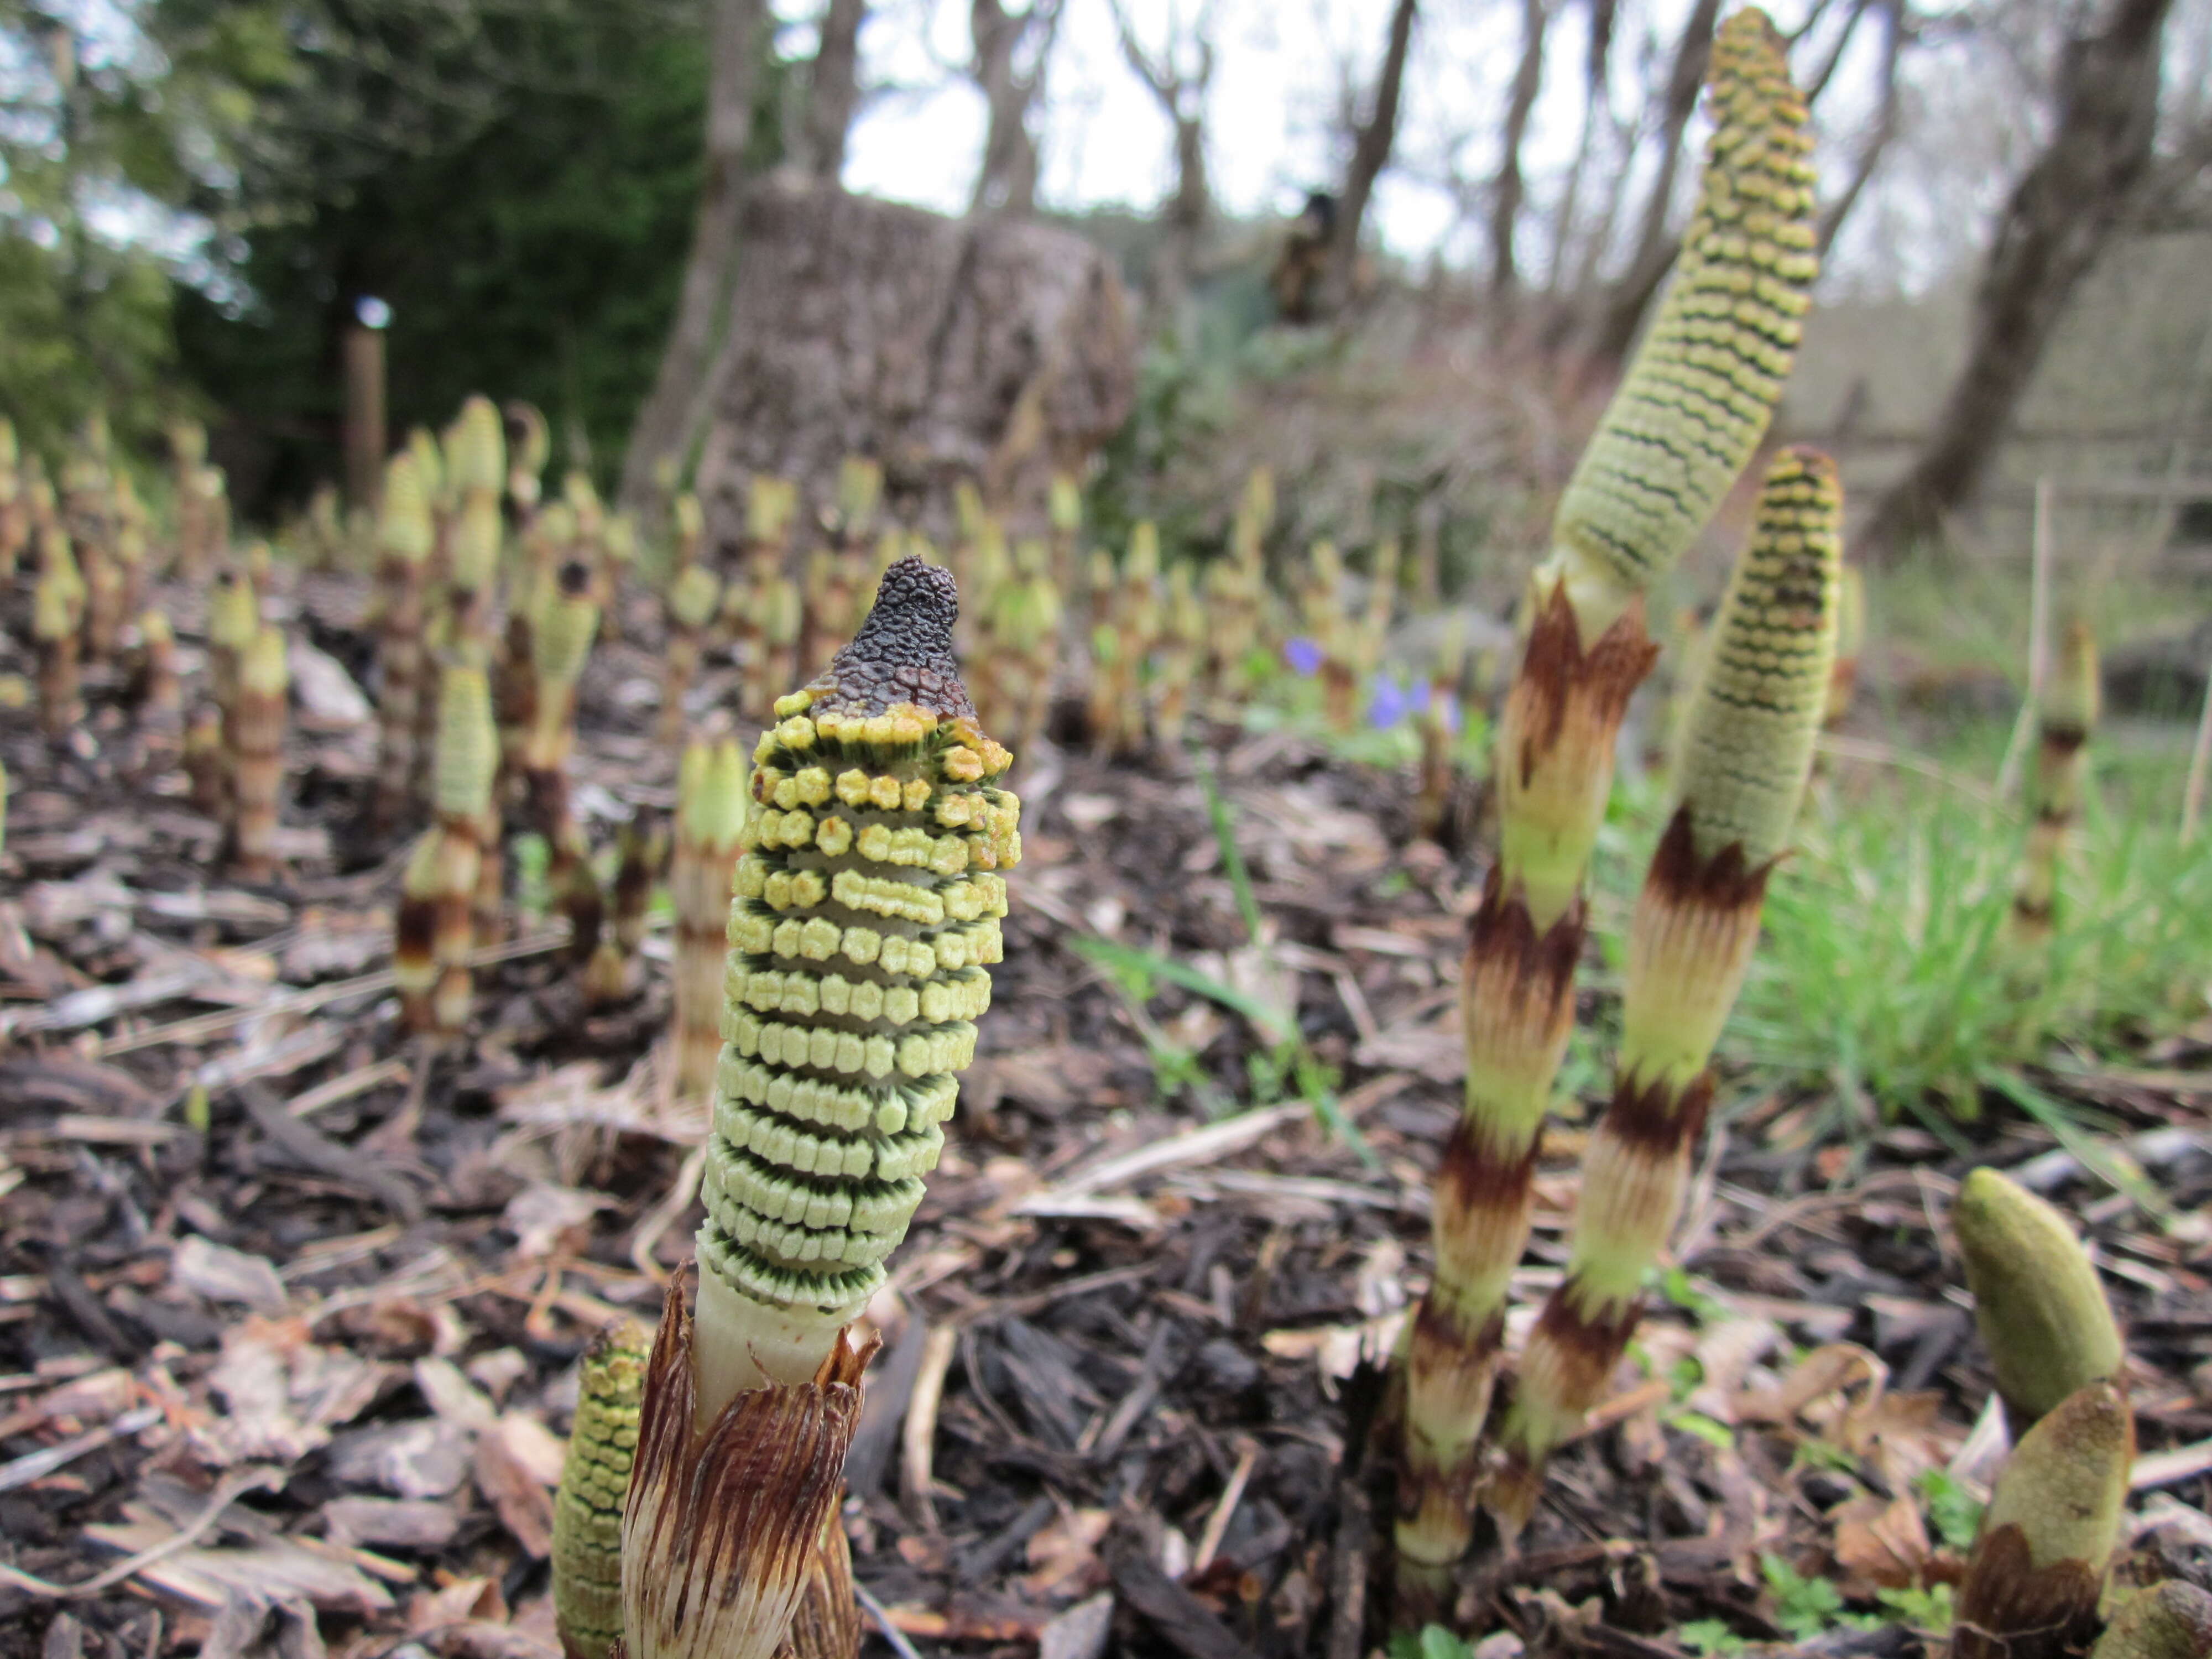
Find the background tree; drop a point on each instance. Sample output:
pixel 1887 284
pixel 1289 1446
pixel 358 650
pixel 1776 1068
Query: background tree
pixel 833 92
pixel 113 142
pixel 1508 189
pixel 736 45
pixel 1373 135
pixel 1009 55
pixel 1178 77
pixel 518 183
pixel 2059 219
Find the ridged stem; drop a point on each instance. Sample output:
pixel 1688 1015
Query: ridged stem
pixel 1748 750
pixel 1694 405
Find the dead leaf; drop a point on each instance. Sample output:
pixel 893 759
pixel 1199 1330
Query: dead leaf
pixel 546 1220
pixel 1080 1632
pixel 1065 1547
pixel 222 1274
pixel 463 1600
pixel 452 1396
pixel 511 1469
pixel 424 1458
pixel 1880 1544
pixel 285 1393
pixel 275 1571
pixel 413 1523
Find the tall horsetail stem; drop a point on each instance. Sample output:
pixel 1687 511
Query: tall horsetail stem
pixel 587 1510
pixel 2065 714
pixel 1746 753
pixel 866 917
pixel 1695 406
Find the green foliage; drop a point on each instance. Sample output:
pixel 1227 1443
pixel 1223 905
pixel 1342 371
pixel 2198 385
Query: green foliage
pixel 1880 975
pixel 1952 1510
pixel 1434 1642
pixel 119 135
pixel 517 183
pixel 1803 1606
pixel 1710 1635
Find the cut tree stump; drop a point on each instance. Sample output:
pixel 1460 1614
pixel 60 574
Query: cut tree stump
pixel 992 348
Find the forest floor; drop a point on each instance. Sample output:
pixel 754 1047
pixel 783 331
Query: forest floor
pixel 289 1308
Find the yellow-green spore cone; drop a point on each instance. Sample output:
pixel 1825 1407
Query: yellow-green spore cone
pixel 588 1512
pixel 2038 1302
pixel 1704 383
pixel 866 919
pixel 1747 745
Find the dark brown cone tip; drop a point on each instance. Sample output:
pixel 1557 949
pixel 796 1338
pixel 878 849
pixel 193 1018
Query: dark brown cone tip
pixel 903 652
pixel 1557 669
pixel 1726 881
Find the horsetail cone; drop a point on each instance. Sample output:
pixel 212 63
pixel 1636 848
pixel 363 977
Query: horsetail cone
pixel 724 1532
pixel 1748 752
pixel 587 1510
pixel 2038 1302
pixel 1703 385
pixel 2038 1567
pixel 866 918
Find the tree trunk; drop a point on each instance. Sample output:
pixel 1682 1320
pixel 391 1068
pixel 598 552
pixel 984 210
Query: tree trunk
pixel 991 351
pixel 833 91
pixel 1181 99
pixel 734 56
pixel 1007 182
pixel 1615 328
pixel 1509 190
pixel 1371 153
pixel 2060 216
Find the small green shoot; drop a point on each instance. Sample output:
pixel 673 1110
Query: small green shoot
pixel 1952 1510
pixel 1803 1606
pixel 1434 1642
pixel 1707 1636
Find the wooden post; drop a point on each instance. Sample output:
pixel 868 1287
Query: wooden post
pixel 364 405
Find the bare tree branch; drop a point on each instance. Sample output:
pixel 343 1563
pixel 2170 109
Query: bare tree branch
pixel 1885 127
pixel 734 50
pixel 1371 143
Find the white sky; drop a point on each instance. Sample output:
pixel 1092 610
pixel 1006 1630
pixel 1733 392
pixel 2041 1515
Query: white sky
pixel 1279 65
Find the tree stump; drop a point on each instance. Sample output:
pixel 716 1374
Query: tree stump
pixel 991 349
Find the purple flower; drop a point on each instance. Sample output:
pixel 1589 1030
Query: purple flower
pixel 1388 704
pixel 1304 657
